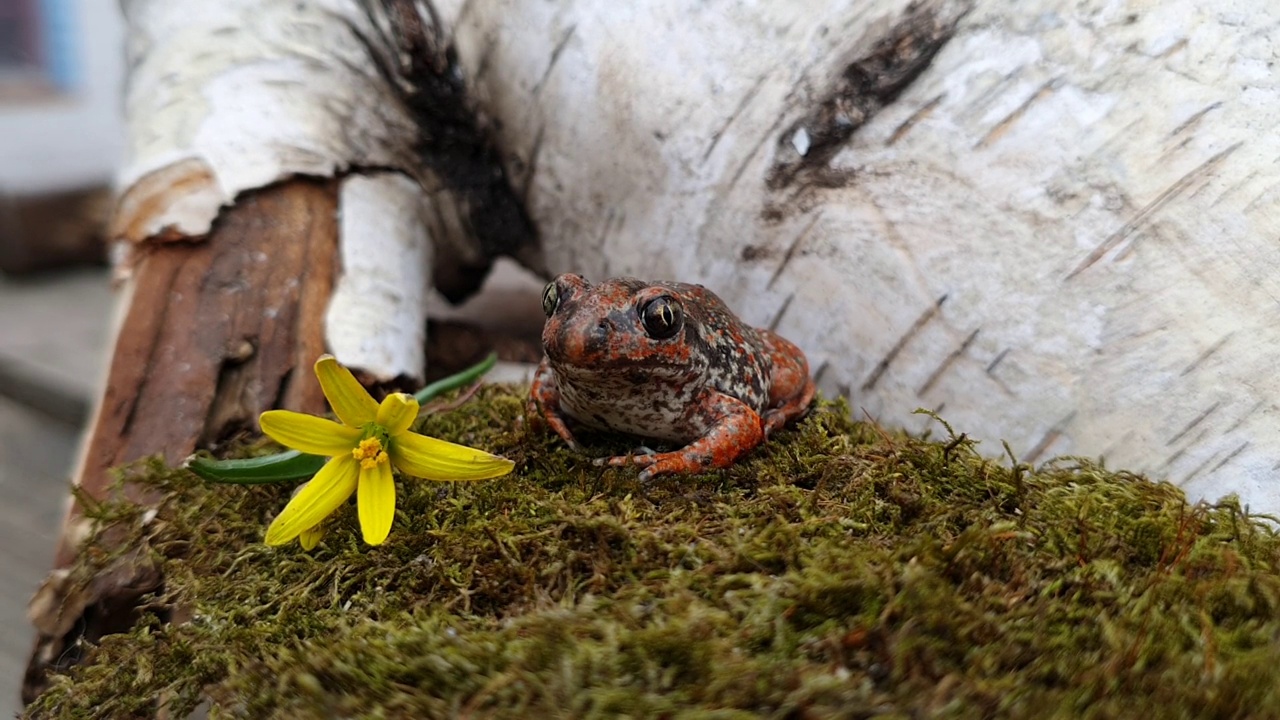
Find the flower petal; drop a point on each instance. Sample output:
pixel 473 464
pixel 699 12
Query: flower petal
pixel 308 433
pixel 376 502
pixel 397 412
pixel 350 401
pixel 325 493
pixel 310 538
pixel 432 459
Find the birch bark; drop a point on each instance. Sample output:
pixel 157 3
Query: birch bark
pixel 1061 232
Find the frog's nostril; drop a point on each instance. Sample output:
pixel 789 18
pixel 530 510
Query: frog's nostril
pixel 597 338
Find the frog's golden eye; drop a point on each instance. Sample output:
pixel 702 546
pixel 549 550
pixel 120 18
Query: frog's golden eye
pixel 550 298
pixel 662 318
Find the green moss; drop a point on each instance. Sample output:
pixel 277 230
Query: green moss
pixel 838 572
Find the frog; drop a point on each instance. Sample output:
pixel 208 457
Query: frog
pixel 665 361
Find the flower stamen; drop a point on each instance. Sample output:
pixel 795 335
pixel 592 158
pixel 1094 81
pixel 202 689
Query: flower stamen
pixel 370 453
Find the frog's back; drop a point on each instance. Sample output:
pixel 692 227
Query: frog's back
pixel 738 363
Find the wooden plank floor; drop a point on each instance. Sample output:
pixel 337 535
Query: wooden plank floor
pixel 53 331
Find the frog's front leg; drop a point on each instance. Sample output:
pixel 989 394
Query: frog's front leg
pixel 544 403
pixel 733 429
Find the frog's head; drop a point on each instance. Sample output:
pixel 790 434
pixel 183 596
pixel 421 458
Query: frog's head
pixel 623 324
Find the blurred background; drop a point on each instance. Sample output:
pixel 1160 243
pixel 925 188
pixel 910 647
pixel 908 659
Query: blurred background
pixel 61 137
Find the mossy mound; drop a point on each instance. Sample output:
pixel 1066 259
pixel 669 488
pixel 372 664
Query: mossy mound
pixel 839 572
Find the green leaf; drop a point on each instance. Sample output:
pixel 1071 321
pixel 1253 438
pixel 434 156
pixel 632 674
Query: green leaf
pixel 289 465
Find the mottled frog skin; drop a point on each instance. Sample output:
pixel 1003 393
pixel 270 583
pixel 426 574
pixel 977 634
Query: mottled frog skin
pixel 667 361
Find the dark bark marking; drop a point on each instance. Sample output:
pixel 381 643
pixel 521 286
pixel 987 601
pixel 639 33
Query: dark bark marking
pixel 1247 414
pixel 1173 49
pixel 608 228
pixel 913 120
pixel 531 166
pixel 1249 206
pixel 1177 188
pixel 1049 438
pixel 791 250
pixel 777 317
pixel 746 161
pixel 1191 425
pixel 1194 118
pixel 916 326
pixel 1002 127
pixel 991 367
pixel 978 105
pixel 1206 354
pixel 865 87
pixel 1198 469
pixel 555 57
pixel 1230 456
pixel 998 359
pixel 742 105
pixel 947 362
pixel 1169 461
pixel 821 371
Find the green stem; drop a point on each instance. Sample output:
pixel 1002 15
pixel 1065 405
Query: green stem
pixel 453 382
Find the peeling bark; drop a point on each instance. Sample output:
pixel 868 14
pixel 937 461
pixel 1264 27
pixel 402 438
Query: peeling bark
pixel 213 333
pixel 227 98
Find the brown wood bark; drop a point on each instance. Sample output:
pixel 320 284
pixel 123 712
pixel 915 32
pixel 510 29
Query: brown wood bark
pixel 214 333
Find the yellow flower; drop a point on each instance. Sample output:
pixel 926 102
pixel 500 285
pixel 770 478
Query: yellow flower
pixel 310 537
pixel 370 439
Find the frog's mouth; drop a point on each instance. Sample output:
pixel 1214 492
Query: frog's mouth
pixel 635 372
pixel 616 342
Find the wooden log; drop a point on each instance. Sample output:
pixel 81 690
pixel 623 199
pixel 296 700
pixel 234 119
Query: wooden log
pixel 212 333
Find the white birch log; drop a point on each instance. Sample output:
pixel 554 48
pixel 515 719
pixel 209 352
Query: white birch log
pixel 229 97
pixel 1062 233
pixel 377 315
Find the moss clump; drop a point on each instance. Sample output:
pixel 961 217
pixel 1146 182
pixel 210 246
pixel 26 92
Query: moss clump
pixel 838 572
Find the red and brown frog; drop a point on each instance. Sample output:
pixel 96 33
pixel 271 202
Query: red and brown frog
pixel 667 361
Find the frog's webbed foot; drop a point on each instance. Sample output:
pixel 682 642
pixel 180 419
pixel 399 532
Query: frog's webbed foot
pixel 544 405
pixel 735 430
pixel 642 456
pixel 677 462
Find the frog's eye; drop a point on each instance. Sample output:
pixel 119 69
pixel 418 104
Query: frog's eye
pixel 550 298
pixel 662 318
